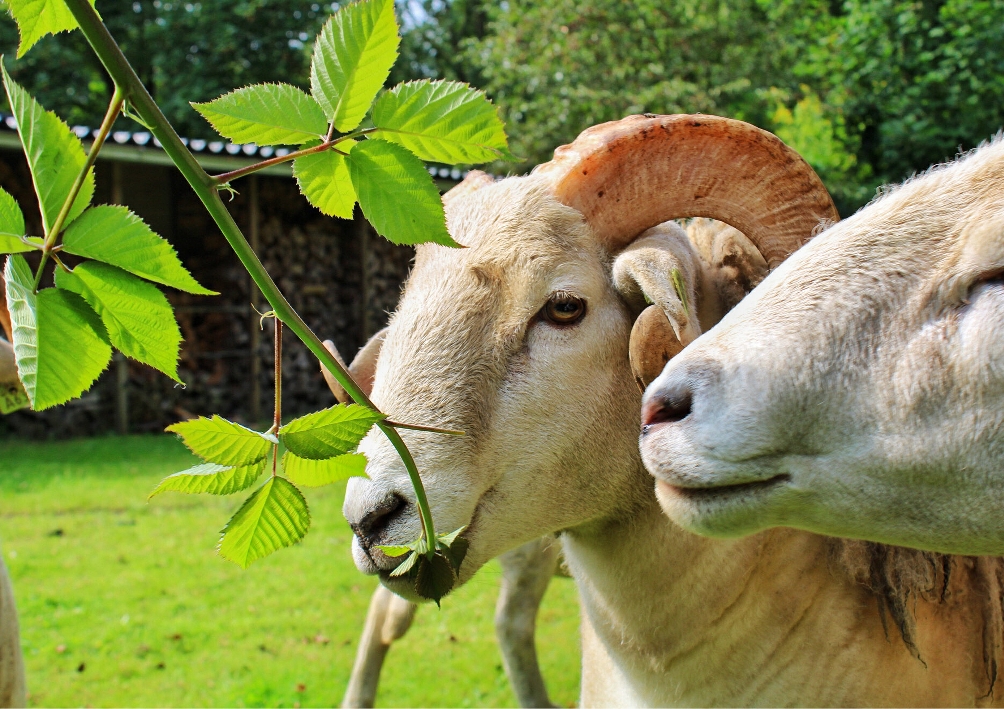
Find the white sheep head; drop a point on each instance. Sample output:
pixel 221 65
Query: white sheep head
pixel 521 339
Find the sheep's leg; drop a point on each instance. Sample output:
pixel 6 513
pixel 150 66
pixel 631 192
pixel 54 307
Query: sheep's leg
pixel 526 572
pixel 388 619
pixel 12 687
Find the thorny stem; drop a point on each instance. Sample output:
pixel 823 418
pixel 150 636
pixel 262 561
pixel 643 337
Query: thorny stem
pixel 277 417
pixel 205 187
pixel 418 427
pixel 328 143
pixel 114 106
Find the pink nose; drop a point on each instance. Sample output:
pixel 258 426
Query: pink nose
pixel 666 405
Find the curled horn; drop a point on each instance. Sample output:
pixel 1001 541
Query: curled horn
pixel 629 175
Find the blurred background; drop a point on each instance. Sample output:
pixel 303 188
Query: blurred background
pixel 124 602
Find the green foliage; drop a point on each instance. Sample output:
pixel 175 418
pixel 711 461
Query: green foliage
pixel 328 433
pixel 212 479
pixel 59 343
pixel 114 235
pixel 223 442
pixel 324 180
pixel 11 226
pixel 441 121
pixel 37 18
pixel 275 516
pixel 397 194
pixel 224 45
pixel 266 114
pixel 55 155
pixel 317 473
pixel 139 320
pixel 352 58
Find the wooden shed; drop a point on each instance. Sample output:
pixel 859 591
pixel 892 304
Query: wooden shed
pixel 340 276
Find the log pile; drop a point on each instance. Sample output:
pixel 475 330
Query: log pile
pixel 340 276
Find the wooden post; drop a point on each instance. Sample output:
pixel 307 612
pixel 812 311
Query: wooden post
pixel 254 411
pixel 121 363
pixel 362 230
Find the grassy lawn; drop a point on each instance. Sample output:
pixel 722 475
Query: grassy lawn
pixel 125 603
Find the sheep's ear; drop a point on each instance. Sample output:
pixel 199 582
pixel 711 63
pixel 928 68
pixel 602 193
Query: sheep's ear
pixel 362 369
pixel 663 269
pixel 735 265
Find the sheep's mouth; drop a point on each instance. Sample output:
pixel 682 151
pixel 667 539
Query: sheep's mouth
pixel 721 492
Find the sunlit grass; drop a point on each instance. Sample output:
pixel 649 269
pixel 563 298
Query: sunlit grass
pixel 125 603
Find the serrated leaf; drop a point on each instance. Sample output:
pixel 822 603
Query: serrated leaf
pixel 456 553
pixel 327 433
pixel 217 440
pixel 405 566
pixel 113 234
pixel 394 551
pixel 59 343
pixel 315 473
pixel 55 154
pixel 441 121
pixel 11 226
pixel 352 58
pixel 275 516
pixel 266 114
pixel 139 320
pixel 435 577
pixel 212 479
pixel 324 180
pixel 37 18
pixel 448 539
pixel 397 194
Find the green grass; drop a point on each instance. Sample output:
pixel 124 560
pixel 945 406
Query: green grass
pixel 125 603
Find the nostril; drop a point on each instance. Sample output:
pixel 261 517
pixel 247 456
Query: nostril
pixel 376 519
pixel 666 409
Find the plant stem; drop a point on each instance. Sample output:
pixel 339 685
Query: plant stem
pixel 328 144
pixel 277 416
pixel 419 427
pixel 114 106
pixel 205 187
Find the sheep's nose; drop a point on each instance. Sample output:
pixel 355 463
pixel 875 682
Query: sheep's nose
pixel 667 406
pixel 369 510
pixel 671 396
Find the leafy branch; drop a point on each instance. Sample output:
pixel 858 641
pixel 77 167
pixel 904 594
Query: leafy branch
pixel 107 301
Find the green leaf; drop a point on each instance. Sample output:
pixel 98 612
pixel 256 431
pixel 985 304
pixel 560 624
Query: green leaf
pixel 435 577
pixel 327 433
pixel 324 180
pixel 59 342
pixel 113 234
pixel 353 55
pixel 275 516
pixel 55 155
pixel 456 553
pixel 266 114
pixel 11 226
pixel 220 441
pixel 441 121
pixel 212 478
pixel 316 473
pixel 37 18
pixel 397 194
pixel 448 539
pixel 394 551
pixel 405 566
pixel 137 316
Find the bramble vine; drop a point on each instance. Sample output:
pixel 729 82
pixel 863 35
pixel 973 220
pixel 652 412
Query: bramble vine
pixel 355 143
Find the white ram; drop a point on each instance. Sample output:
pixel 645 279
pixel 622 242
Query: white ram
pixel 859 391
pixel 521 340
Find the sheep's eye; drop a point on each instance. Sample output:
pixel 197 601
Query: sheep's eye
pixel 564 309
